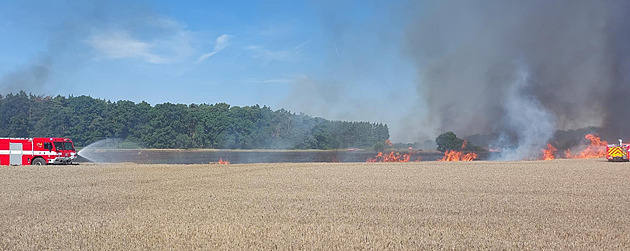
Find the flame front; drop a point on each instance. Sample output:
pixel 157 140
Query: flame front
pixel 549 153
pixel 391 157
pixel 452 155
pixel 597 149
pixel 458 156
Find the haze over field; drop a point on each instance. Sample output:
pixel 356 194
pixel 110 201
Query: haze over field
pixel 518 69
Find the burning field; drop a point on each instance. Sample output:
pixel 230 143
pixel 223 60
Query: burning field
pixel 592 147
pixel 560 204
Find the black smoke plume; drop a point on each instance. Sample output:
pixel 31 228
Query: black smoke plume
pixel 522 69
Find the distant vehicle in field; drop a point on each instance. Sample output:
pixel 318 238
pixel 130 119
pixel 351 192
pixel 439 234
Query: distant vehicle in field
pixel 36 151
pixel 618 152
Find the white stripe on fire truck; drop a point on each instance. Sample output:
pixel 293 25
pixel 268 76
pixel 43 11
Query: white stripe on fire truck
pixel 6 152
pixel 45 153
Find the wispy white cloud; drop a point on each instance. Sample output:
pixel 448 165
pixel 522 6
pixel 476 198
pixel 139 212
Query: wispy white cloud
pixel 169 42
pixel 220 44
pixel 165 23
pixel 267 55
pixel 120 44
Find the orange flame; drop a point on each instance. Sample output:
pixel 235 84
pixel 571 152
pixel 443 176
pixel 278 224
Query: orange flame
pixel 223 162
pixel 458 156
pixel 568 154
pixel 597 149
pixel 389 143
pixel 549 153
pixel 391 157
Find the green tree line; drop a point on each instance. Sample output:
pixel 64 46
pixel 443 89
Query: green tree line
pixel 86 120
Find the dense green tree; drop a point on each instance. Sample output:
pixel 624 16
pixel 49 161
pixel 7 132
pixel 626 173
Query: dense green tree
pixel 86 120
pixel 448 141
pixel 15 115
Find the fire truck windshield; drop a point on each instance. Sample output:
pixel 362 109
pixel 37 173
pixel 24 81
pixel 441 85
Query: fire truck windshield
pixel 63 146
pixel 68 146
pixel 59 146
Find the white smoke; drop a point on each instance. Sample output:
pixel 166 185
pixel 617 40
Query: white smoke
pixel 531 123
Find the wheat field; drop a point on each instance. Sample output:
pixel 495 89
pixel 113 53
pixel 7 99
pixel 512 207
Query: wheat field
pixel 560 204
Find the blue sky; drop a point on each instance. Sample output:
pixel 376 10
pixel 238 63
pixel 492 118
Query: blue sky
pixel 334 59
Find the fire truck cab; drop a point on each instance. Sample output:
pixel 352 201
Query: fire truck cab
pixel 36 151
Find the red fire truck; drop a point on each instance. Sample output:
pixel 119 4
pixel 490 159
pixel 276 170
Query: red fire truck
pixel 619 152
pixel 36 151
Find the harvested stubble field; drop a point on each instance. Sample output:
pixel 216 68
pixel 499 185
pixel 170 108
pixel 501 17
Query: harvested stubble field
pixel 560 204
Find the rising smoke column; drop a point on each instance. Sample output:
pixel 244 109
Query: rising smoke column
pixel 520 69
pixel 30 77
pixel 533 125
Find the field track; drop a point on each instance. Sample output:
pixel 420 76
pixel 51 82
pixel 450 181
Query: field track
pixel 560 204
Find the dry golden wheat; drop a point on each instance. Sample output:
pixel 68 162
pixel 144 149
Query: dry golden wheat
pixel 560 204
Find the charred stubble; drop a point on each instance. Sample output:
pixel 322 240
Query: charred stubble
pixel 560 204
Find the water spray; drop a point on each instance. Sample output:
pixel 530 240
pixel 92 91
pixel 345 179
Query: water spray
pixel 96 153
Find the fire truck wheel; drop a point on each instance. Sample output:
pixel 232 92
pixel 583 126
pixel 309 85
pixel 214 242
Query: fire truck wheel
pixel 38 162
